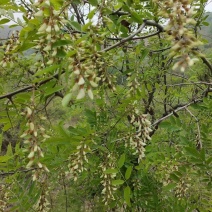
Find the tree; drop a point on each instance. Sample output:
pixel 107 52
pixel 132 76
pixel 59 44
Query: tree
pixel 108 102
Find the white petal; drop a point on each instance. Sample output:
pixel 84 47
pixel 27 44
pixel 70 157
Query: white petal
pixel 81 81
pixel 49 29
pixel 77 71
pixel 81 94
pixel 39 13
pixel 42 28
pixel 93 84
pixel 90 93
pixel 29 164
pixel 56 28
pixel 31 154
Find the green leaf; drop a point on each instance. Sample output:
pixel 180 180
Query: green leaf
pixel 3 2
pixel 4 21
pixel 117 182
pixel 91 117
pixel 205 23
pixel 127 192
pixel 25 46
pixel 169 187
pixel 66 99
pixel 121 161
pixel 111 171
pixel 46 70
pixel 7 126
pixel 144 53
pixel 192 151
pixel 91 14
pixel 4 158
pixel 93 2
pixel 136 17
pixel 128 172
pixel 174 177
pixel 1 138
pixel 75 25
pixel 9 150
pixel 62 43
pixel 165 124
pixel 209 160
pixel 50 91
pixel 71 53
pixel 57 4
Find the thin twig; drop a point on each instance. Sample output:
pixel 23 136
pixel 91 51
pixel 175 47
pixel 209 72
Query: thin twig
pixel 199 142
pixel 125 39
pixel 145 23
pixel 190 83
pixel 137 38
pixel 17 171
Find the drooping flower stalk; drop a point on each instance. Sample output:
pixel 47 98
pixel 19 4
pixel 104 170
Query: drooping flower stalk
pixel 33 136
pixel 180 15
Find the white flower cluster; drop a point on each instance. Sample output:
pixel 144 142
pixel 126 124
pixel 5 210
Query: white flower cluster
pixel 181 190
pixel 86 65
pixel 4 198
pixel 108 188
pixel 49 31
pixel 42 204
pixel 33 135
pixel 139 138
pixel 133 83
pixel 78 159
pixel 10 45
pixel 180 14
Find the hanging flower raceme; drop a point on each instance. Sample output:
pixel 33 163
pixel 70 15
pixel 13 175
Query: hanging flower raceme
pixel 8 47
pixel 33 136
pixel 78 160
pixel 86 64
pixel 43 204
pixel 182 187
pixel 180 14
pixel 4 197
pixel 133 83
pixel 138 139
pixel 107 180
pixel 49 31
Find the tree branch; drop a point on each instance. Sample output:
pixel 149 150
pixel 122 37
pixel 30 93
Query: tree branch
pixel 10 95
pixel 17 171
pixel 207 63
pixel 145 23
pixel 175 111
pixel 125 39
pixel 137 38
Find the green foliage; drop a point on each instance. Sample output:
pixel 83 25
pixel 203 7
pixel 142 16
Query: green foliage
pixel 106 108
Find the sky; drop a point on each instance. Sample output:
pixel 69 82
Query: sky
pixel 209 6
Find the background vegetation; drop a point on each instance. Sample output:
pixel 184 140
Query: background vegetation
pixel 106 105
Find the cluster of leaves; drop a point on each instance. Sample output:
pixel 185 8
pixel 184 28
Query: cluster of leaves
pixel 140 140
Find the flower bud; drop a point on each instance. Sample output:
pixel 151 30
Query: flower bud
pixel 81 93
pixel 42 28
pixel 31 154
pixel 39 13
pixel 49 29
pixel 56 28
pixel 81 81
pixel 29 164
pixel 93 84
pixel 90 93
